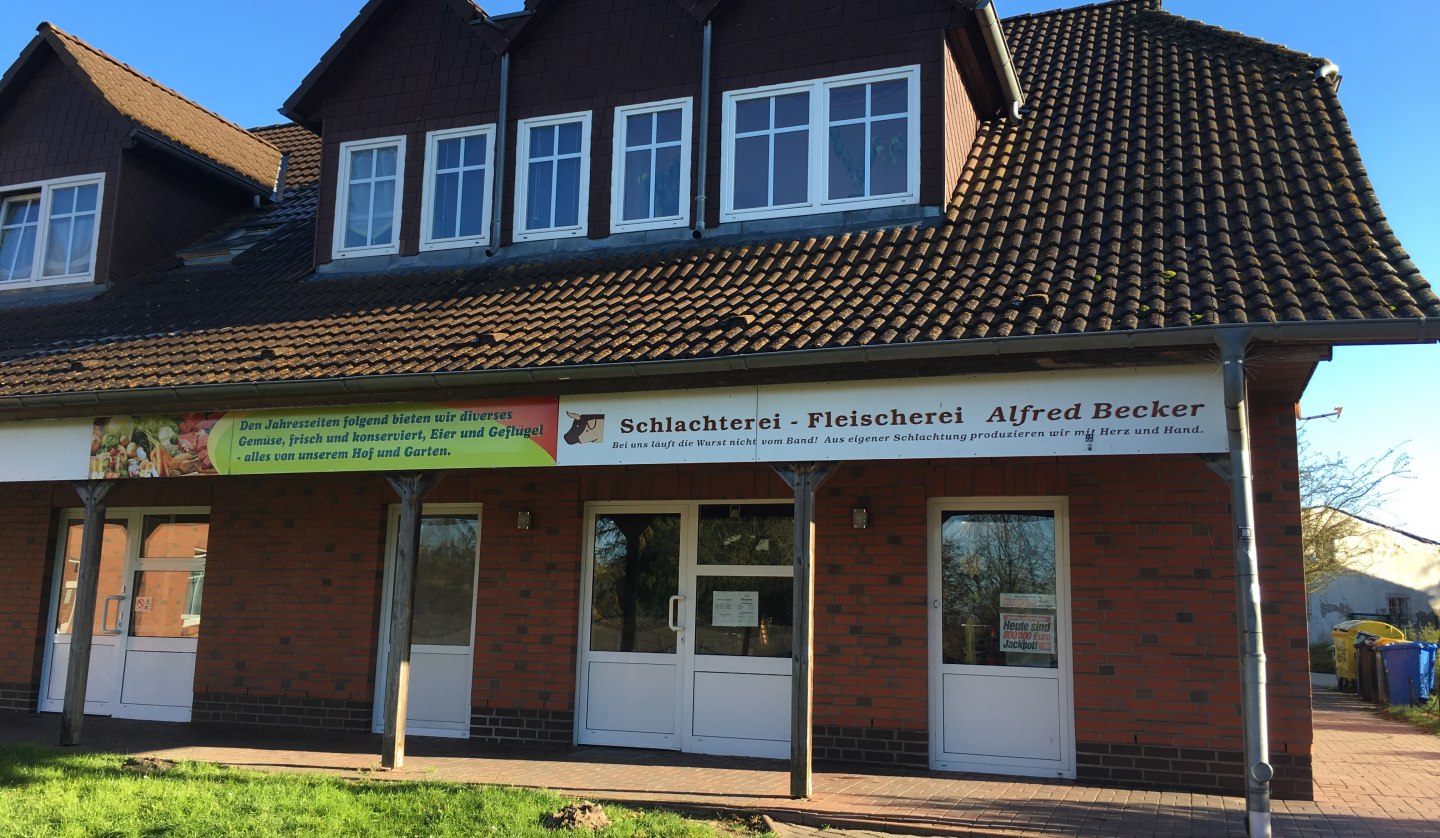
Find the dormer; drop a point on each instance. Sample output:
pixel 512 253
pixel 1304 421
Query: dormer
pixel 90 189
pixel 453 136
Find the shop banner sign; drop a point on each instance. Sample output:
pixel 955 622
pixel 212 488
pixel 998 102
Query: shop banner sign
pixel 1162 410
pixel 1130 411
pixel 451 435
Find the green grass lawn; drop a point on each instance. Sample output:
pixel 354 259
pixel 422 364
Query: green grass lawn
pixel 51 792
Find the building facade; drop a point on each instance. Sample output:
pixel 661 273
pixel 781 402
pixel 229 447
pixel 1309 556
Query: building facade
pixel 689 307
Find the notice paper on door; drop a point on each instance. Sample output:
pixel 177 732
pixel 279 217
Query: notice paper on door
pixel 736 608
pixel 1027 633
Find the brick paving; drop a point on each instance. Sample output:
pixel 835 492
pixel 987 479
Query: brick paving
pixel 1373 779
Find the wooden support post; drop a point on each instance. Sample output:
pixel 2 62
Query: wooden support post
pixel 803 479
pixel 412 487
pixel 82 624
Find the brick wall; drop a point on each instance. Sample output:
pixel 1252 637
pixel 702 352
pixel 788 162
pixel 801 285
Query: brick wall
pixel 292 592
pixel 24 566
pixel 295 572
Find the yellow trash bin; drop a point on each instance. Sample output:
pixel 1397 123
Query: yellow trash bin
pixel 1343 634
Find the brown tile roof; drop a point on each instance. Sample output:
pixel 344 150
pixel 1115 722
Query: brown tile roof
pixel 156 108
pixel 304 147
pixel 1173 177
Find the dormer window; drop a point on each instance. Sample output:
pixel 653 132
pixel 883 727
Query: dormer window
pixel 367 203
pixel 847 142
pixel 49 231
pixel 650 183
pixel 553 194
pixel 459 178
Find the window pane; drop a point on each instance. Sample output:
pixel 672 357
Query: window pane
pixel 637 570
pixel 382 226
pixel 752 115
pixel 444 223
pixel 847 102
pixel 752 172
pixel 889 169
pixel 112 572
pixel 889 97
pixel 542 141
pixel 792 109
pixel 537 201
pixel 175 536
pixel 362 164
pixel 385 161
pixel 567 192
pixel 997 575
pixel 639 130
pixel 472 204
pixel 62 202
pixel 744 616
pixel 83 235
pixel 161 603
pixel 792 167
pixel 85 198
pixel 447 154
pixel 17 239
pixel 636 197
pixel 357 216
pixel 569 138
pixel 57 247
pixel 667 126
pixel 847 160
pixel 475 150
pixel 445 581
pixel 746 534
pixel 667 181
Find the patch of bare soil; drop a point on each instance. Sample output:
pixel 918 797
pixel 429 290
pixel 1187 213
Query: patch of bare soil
pixel 582 815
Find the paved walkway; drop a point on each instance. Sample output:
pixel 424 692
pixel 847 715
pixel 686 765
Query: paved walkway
pixel 1374 779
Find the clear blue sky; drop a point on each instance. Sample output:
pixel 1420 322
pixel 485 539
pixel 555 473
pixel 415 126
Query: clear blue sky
pixel 242 60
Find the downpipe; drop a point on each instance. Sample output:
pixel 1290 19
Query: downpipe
pixel 1258 771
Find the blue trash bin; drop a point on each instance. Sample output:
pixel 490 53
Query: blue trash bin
pixel 1409 671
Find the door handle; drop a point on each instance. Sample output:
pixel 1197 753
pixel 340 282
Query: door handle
pixel 672 614
pixel 105 615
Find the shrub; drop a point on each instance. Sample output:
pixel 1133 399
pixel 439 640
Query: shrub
pixel 1322 657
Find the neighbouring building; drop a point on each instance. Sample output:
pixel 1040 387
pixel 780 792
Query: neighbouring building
pixel 1396 579
pixel 641 318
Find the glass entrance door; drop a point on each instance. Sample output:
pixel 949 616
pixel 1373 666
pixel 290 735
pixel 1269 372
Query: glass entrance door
pixel 147 615
pixel 686 641
pixel 442 638
pixel 1000 624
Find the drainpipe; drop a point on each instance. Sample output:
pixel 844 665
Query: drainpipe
pixel 999 51
pixel 1258 770
pixel 702 164
pixel 502 134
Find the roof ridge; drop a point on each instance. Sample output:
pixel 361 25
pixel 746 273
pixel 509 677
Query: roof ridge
pixel 1150 5
pixel 78 41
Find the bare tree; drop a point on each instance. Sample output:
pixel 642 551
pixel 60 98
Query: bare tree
pixel 1333 490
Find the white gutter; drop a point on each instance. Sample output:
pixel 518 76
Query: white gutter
pixel 999 51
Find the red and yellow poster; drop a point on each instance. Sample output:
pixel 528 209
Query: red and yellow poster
pixel 477 434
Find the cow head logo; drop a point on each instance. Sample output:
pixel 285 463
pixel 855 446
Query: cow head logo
pixel 585 428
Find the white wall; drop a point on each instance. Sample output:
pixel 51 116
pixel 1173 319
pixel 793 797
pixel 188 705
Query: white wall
pixel 1396 565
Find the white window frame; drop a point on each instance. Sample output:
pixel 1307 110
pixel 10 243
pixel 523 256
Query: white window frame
pixel 819 126
pixel 427 199
pixel 338 249
pixel 522 177
pixel 617 175
pixel 45 189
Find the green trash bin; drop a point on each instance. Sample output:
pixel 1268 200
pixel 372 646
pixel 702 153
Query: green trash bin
pixel 1343 635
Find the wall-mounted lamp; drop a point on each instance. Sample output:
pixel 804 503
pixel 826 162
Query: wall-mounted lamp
pixel 523 520
pixel 859 517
